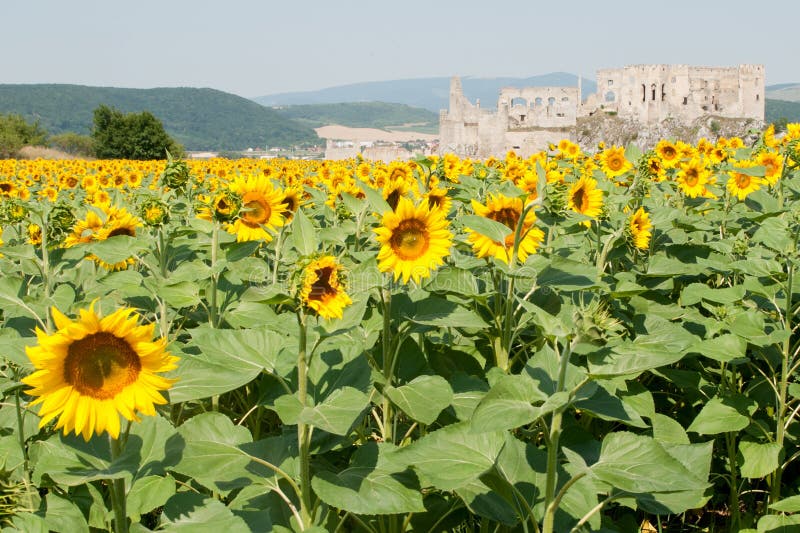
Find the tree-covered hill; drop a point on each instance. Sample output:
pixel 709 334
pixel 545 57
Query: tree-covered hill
pixel 380 115
pixel 200 119
pixel 780 110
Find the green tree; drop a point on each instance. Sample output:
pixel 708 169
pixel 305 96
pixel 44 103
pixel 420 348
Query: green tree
pixel 140 136
pixel 15 133
pixel 73 143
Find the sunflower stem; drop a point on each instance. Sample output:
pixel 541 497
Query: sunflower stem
pixel 303 429
pixel 118 502
pixel 46 269
pixel 212 308
pixel 278 243
pixel 388 366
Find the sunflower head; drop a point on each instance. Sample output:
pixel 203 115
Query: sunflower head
pixel 508 211
pixel 742 180
pixel 59 222
pixel 414 240
pixel 154 212
pixel 585 198
pixel 34 234
pixel 613 162
pixel 323 287
pixel 639 227
pixel 92 370
pixel 225 206
pixel 176 173
pixel 13 211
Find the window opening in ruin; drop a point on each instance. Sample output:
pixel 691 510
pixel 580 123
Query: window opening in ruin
pixel 644 92
pixel 758 97
pixel 519 102
pixel 610 96
pixel 653 92
pixel 538 101
pixel 560 115
pixel 522 118
pixel 685 100
pixel 551 101
pixel 663 93
pixel 565 99
pixel 610 83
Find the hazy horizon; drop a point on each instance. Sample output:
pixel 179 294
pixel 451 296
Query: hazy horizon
pixel 254 49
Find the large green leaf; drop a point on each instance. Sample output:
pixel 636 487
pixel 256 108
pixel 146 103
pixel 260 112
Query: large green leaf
pixel 719 416
pixel 374 483
pixel 63 516
pixel 434 311
pixel 453 456
pixel 227 360
pixel 780 523
pixel 497 231
pixel 195 513
pixel 423 398
pixel 147 493
pixel 639 464
pixel 336 414
pixel 508 404
pixel 304 235
pixel 758 459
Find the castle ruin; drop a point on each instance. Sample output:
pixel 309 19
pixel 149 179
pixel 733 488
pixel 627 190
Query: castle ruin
pixel 527 120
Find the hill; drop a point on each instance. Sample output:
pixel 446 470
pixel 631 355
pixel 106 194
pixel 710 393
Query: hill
pixel 428 93
pixel 380 115
pixel 200 119
pixel 788 92
pixel 779 110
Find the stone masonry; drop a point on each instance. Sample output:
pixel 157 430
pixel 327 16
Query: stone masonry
pixel 527 120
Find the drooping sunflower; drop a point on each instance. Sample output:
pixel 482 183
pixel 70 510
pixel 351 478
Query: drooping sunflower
pixel 118 222
pixel 614 163
pixel 322 288
pixel 639 225
pixel 741 184
pixel 94 369
pixel 261 209
pixel 693 177
pixel 507 211
pixel 584 197
pixel 414 240
pixel 84 230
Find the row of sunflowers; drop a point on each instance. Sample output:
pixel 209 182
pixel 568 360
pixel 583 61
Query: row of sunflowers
pixel 571 341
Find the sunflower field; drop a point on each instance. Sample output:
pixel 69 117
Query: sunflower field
pixel 574 341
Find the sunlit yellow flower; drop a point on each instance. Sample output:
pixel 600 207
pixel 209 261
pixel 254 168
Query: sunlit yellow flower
pixel 507 211
pixel 84 230
pixel 91 371
pixel 693 177
pixel 584 197
pixel 613 162
pixel 293 198
pixel 438 199
pixel 34 234
pixel 670 157
pixel 414 240
pixel 773 166
pixel 741 184
pixel 639 226
pixel 261 209
pixel 322 288
pixel 118 222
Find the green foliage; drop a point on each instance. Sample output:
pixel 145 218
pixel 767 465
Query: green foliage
pixel 138 136
pixel 779 112
pixel 200 119
pixel 15 133
pixel 73 143
pixel 379 115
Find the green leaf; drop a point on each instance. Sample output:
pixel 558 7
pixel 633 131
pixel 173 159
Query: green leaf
pixel 667 430
pixel 639 464
pixel 782 523
pixel 716 417
pixel 227 360
pixel 496 231
pixel 453 456
pixel 787 505
pixel 724 348
pixel 758 460
pixel 373 484
pixel 559 273
pixel 336 414
pixel 375 199
pixel 236 251
pixel 117 249
pixel 63 516
pixel 423 398
pixel 181 294
pixel 147 493
pixel 774 233
pixel 435 311
pixel 508 404
pixel 304 234
pixel 195 513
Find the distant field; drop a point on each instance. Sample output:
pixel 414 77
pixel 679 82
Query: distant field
pixel 787 94
pixel 335 131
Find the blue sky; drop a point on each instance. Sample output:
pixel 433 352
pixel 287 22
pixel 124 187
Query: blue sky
pixel 254 48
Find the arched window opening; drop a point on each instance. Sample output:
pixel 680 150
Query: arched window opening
pixel 519 102
pixel 610 96
pixel 538 102
pixel 663 92
pixel 551 101
pixel 644 93
pixel 653 92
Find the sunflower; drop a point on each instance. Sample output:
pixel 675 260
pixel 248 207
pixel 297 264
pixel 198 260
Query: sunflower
pixel 293 198
pixel 322 288
pixel 118 222
pixel 507 211
pixel 773 166
pixel 393 190
pixel 34 234
pixel 741 184
pixel 584 197
pixel 614 163
pixel 261 209
pixel 414 240
pixel 670 157
pixel 438 199
pixel 639 226
pixel 94 369
pixel 693 177
pixel 84 230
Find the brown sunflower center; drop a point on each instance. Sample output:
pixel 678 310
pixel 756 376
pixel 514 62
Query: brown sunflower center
pixel 410 239
pixel 614 163
pixel 322 288
pixel 435 200
pixel 122 231
pixel 579 199
pixel 101 365
pixel 742 181
pixel 393 199
pixel 691 177
pixel 256 210
pixel 668 152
